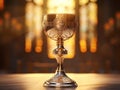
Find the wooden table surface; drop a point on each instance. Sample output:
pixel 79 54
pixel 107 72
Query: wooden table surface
pixel 35 81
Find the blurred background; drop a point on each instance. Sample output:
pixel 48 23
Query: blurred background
pixel 94 48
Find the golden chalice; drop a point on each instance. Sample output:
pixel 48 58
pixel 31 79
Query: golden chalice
pixel 59 27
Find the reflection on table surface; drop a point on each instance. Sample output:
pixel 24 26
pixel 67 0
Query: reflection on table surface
pixel 84 81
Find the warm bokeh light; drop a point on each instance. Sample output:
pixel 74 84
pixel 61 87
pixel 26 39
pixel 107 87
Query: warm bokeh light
pixel 83 46
pixel 118 19
pixel 61 6
pixel 111 22
pixel 106 26
pixel 29 23
pixel 28 16
pixel 28 44
pixel 39 44
pixel 83 12
pixel 88 23
pixel 92 26
pixel 82 2
pixel 83 28
pixel 118 15
pixel 92 7
pixel 1 4
pixel 38 2
pixel 93 45
pixel 37 19
pixel 34 23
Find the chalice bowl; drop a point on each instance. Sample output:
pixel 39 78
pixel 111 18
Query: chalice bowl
pixel 59 27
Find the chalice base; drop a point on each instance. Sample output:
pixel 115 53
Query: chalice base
pixel 60 79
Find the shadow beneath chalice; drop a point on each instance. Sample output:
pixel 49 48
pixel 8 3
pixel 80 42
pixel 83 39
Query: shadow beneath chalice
pixel 50 88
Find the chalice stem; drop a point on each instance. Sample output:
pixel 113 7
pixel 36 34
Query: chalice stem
pixel 59 52
pixel 60 67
